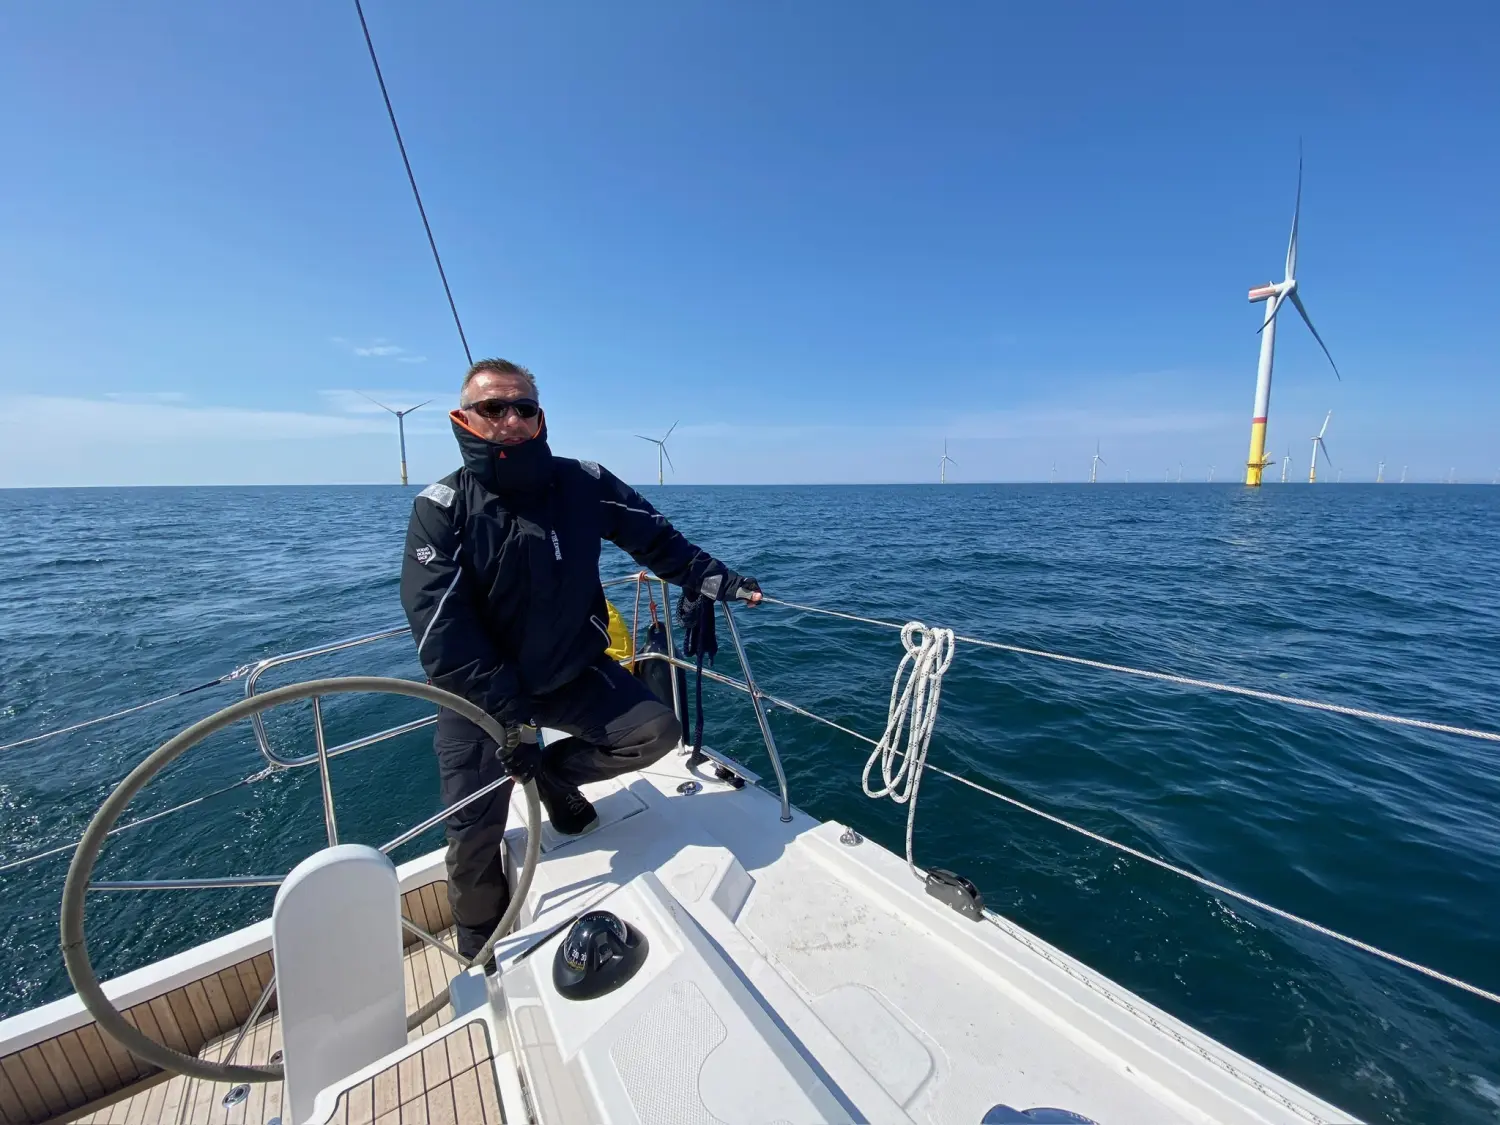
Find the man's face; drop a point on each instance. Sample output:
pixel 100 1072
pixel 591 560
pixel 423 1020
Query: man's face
pixel 488 390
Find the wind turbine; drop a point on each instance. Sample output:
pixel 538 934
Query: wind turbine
pixel 661 450
pixel 1053 480
pixel 1094 465
pixel 1380 473
pixel 1276 294
pixel 1318 443
pixel 1403 474
pixel 1179 472
pixel 400 425
pixel 1210 474
pixel 1451 471
pixel 944 463
pixel 1286 463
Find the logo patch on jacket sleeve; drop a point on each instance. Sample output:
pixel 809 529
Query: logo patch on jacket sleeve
pixel 425 554
pixel 439 494
pixel 591 467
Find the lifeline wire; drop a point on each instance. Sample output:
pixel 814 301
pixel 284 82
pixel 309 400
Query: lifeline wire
pixel 412 179
pixel 224 679
pixel 882 753
pixel 1172 678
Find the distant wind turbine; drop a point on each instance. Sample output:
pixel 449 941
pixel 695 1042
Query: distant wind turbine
pixel 1319 444
pixel 1094 466
pixel 1451 471
pixel 1340 477
pixel 1403 474
pixel 1179 472
pixel 1054 473
pixel 1127 476
pixel 400 425
pixel 1210 474
pixel 1286 463
pixel 944 463
pixel 1380 473
pixel 1276 294
pixel 661 450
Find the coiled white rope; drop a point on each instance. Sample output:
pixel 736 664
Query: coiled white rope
pixel 914 707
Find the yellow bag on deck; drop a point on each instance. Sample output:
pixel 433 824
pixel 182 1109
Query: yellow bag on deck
pixel 621 643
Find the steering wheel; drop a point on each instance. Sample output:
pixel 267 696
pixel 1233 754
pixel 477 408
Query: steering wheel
pixel 74 944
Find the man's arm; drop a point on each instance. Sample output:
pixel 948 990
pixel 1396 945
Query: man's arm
pixel 633 525
pixel 437 595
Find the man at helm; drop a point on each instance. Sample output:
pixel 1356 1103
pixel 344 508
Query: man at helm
pixel 500 582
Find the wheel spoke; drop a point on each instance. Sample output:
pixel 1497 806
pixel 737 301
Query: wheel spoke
pixel 226 883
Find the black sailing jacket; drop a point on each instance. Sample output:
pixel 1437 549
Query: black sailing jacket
pixel 500 580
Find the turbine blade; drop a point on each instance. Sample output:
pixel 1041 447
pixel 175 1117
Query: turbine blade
pixel 382 405
pixel 1276 303
pixel 1323 445
pixel 668 434
pixel 668 456
pixel 419 406
pixel 652 440
pixel 1296 300
pixel 1291 246
pixel 1324 430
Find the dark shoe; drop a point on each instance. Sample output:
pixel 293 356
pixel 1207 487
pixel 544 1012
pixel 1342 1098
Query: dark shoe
pixel 567 807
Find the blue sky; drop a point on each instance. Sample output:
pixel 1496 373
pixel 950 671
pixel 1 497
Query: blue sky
pixel 823 235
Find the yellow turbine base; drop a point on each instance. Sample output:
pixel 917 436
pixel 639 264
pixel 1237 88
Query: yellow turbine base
pixel 1257 460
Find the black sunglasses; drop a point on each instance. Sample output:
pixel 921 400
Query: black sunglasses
pixel 496 408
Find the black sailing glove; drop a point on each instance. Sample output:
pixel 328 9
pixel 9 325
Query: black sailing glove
pixel 729 586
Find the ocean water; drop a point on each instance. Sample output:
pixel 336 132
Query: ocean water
pixel 1387 597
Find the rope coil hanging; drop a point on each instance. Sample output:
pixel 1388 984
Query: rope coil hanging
pixel 913 708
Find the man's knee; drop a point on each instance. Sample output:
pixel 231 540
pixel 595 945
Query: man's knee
pixel 659 735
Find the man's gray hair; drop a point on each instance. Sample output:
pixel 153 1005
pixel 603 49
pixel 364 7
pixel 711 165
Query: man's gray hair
pixel 498 367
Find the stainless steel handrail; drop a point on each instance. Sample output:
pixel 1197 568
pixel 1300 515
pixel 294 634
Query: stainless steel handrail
pixel 323 753
pixel 263 741
pixel 272 757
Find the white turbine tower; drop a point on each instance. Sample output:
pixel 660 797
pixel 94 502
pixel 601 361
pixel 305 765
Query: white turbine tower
pixel 1276 294
pixel 1319 444
pixel 1179 472
pixel 1210 474
pixel 400 425
pixel 1094 465
pixel 944 463
pixel 1053 479
pixel 1403 474
pixel 661 450
pixel 1286 463
pixel 1380 473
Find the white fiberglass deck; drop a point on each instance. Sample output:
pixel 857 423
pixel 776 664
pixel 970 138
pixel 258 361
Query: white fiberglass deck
pixel 872 1000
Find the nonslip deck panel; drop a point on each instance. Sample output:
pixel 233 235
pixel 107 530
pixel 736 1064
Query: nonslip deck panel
pixel 177 1100
pixel 55 1079
pixel 449 1082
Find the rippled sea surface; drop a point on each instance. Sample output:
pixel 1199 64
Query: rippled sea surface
pixel 1386 597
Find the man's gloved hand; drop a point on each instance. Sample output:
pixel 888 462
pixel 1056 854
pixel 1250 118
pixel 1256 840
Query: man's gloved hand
pixel 523 760
pixel 730 586
pixel 745 589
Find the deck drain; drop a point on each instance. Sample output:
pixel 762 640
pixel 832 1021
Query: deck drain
pixel 236 1095
pixel 688 788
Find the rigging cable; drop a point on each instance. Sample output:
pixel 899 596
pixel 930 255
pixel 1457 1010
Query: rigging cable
pixel 1173 678
pixel 412 179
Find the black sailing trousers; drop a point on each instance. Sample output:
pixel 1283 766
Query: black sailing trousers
pixel 616 726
